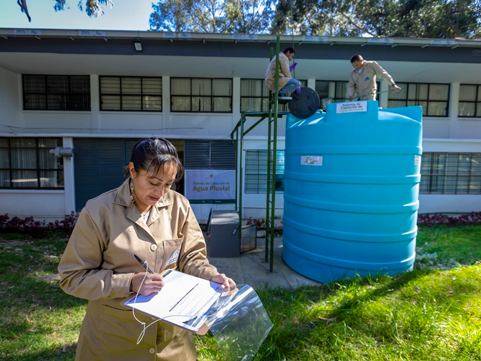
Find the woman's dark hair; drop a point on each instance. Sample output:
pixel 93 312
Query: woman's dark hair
pixel 289 50
pixel 153 154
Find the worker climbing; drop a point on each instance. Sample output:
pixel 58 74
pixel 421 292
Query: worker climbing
pixel 286 83
pixel 303 102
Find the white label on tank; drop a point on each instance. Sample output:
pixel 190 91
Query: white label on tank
pixel 311 160
pixel 351 107
pixel 417 160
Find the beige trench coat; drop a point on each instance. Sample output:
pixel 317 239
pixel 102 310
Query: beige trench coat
pixel 98 265
pixel 284 72
pixel 364 83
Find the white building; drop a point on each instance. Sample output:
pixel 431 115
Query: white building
pixel 98 92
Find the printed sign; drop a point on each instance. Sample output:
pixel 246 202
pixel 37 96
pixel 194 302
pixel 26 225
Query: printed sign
pixel 352 107
pixel 311 160
pixel 91 33
pixel 417 160
pixel 210 184
pixel 27 32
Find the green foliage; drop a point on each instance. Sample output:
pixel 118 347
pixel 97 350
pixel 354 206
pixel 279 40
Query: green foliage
pixel 212 16
pixel 93 8
pixel 38 321
pixel 461 243
pixel 418 315
pixel 380 18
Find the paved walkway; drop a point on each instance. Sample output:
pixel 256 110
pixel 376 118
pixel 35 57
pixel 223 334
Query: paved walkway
pixel 251 269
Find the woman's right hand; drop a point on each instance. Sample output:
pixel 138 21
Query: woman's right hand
pixel 153 283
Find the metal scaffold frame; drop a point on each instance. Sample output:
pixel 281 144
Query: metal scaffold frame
pixel 272 115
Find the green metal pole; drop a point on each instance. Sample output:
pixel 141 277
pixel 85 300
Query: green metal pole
pixel 266 259
pixel 255 125
pixel 241 187
pixel 274 154
pixel 236 164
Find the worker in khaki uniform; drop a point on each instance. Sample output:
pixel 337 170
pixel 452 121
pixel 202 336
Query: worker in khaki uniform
pixel 364 76
pixel 286 83
pixel 142 217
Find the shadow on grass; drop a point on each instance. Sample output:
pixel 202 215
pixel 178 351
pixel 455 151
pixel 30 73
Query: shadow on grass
pixel 306 328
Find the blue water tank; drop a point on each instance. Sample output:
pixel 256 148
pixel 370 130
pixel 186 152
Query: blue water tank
pixel 351 191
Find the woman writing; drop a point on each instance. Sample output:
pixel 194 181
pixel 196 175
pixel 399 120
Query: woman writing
pixel 142 217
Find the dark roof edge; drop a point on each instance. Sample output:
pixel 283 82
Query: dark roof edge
pixel 7 33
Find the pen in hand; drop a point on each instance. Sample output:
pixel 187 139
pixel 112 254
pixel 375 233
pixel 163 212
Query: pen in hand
pixel 143 263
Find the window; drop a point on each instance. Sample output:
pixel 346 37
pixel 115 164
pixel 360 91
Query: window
pixel 255 96
pixel 256 171
pixel 469 101
pixel 451 173
pixel 27 163
pixel 138 94
pixel 207 154
pixel 337 90
pixel 201 95
pixel 434 98
pixel 56 92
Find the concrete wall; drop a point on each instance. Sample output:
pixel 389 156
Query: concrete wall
pixel 41 204
pixel 449 203
pixel 447 134
pixel 10 103
pixel 182 125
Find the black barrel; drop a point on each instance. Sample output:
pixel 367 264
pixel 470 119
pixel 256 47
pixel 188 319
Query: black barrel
pixel 304 105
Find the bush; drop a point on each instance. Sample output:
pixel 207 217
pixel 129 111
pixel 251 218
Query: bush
pixel 261 225
pixel 37 229
pixel 430 220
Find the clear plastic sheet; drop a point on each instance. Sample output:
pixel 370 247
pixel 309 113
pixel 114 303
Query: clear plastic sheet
pixel 239 323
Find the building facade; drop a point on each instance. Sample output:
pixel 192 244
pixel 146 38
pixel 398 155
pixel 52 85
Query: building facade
pixel 98 92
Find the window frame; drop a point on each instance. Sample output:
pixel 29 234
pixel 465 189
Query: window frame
pixel 282 107
pixel 338 100
pixel 141 95
pixel 416 101
pixel 202 96
pixel 37 170
pixel 445 175
pixel 46 93
pixel 246 173
pixel 476 102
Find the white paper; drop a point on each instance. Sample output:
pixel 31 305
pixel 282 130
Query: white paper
pixel 183 301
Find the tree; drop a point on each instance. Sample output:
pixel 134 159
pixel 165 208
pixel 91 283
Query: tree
pixel 249 16
pixel 212 16
pixel 380 18
pixel 93 8
pixel 318 18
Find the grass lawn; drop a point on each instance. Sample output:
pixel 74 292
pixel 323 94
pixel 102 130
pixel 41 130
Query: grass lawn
pixel 426 314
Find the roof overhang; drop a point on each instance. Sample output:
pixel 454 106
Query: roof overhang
pixel 107 35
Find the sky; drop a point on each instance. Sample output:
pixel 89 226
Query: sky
pixel 124 15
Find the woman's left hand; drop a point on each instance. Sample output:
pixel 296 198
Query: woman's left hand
pixel 226 282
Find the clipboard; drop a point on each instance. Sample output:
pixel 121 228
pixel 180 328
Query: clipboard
pixel 185 301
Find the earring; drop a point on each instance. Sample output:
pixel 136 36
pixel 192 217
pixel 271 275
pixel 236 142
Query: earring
pixel 132 198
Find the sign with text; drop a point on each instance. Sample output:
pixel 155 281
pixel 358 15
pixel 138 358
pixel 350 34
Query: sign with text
pixel 209 184
pixel 311 160
pixel 352 107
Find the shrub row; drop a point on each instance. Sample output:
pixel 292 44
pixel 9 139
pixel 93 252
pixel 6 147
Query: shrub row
pixel 430 220
pixel 41 229
pixel 37 229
